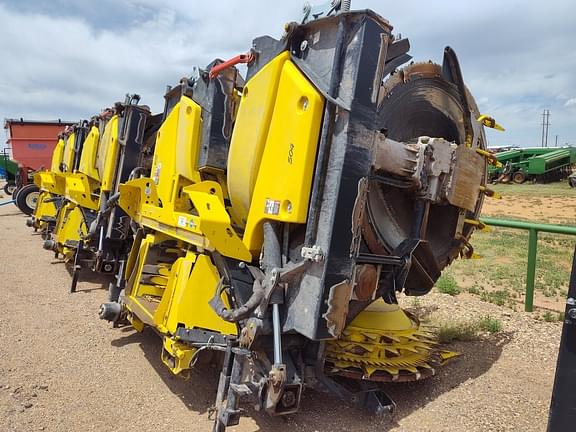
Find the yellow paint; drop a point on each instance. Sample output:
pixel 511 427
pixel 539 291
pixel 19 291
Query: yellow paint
pixel 44 209
pixel 57 155
pixel 191 282
pixel 107 155
pixel 195 286
pixel 490 122
pixel 87 163
pixel 176 153
pixel 68 156
pixel 214 221
pixel 490 157
pixel 83 186
pixel 282 189
pixel 80 190
pixel 250 133
pixel 70 227
pixel 134 194
pixel 176 356
pixel 52 182
pixel 384 339
pixel 210 229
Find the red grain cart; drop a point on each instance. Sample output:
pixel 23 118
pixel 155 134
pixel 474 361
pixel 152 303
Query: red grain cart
pixel 32 142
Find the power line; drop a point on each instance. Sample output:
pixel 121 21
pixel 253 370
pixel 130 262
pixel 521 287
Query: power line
pixel 545 126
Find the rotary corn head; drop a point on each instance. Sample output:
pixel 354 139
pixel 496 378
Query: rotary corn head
pixel 76 209
pixel 275 218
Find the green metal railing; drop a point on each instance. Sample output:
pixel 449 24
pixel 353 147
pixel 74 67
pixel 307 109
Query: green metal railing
pixel 533 230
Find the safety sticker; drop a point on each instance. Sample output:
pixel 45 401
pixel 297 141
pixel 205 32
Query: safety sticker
pixel 182 222
pixel 156 176
pixel 272 207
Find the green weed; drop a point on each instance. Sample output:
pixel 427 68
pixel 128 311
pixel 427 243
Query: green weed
pixel 450 332
pixel 490 324
pixel 497 297
pixel 446 284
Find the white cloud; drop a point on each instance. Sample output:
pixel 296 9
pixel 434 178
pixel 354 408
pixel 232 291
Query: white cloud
pixel 72 59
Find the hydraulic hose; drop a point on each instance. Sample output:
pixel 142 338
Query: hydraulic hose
pixel 242 312
pixel 272 259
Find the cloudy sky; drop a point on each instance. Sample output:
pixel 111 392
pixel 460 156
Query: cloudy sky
pixel 69 58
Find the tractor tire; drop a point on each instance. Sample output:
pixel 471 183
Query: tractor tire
pixel 26 198
pixel 10 188
pixel 15 195
pixel 519 177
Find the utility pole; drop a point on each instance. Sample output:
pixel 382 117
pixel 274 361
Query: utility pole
pixel 545 125
pixel 556 143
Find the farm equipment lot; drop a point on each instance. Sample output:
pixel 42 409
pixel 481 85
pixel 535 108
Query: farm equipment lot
pixel 504 251
pixel 62 369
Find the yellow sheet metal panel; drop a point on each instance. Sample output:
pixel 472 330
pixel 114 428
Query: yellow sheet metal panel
pixel 189 306
pixel 214 220
pixel 139 199
pixel 79 190
pixel 133 273
pixel 249 135
pixel 68 156
pixel 70 227
pixel 134 194
pixel 177 356
pixel 107 154
pixel 45 180
pixel 176 152
pixel 282 189
pixel 50 181
pixel 43 207
pixel 57 155
pixel 177 279
pixel 89 151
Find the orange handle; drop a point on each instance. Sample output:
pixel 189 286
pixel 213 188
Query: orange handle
pixel 241 58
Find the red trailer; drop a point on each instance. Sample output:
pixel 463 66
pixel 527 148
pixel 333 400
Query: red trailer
pixel 31 144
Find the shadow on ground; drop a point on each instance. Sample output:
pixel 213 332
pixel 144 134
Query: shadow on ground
pixel 88 280
pixel 13 213
pixel 318 411
pixel 198 393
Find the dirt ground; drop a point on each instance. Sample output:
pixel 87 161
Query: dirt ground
pixel 547 209
pixel 62 369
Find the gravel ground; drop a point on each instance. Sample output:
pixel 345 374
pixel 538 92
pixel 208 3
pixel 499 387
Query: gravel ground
pixel 61 369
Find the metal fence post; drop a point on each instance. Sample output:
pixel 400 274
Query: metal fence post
pixel 533 229
pixel 531 269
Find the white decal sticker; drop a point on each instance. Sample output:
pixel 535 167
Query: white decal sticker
pixel 156 176
pixel 272 207
pixel 182 222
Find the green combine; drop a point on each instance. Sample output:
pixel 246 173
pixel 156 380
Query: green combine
pixel 536 164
